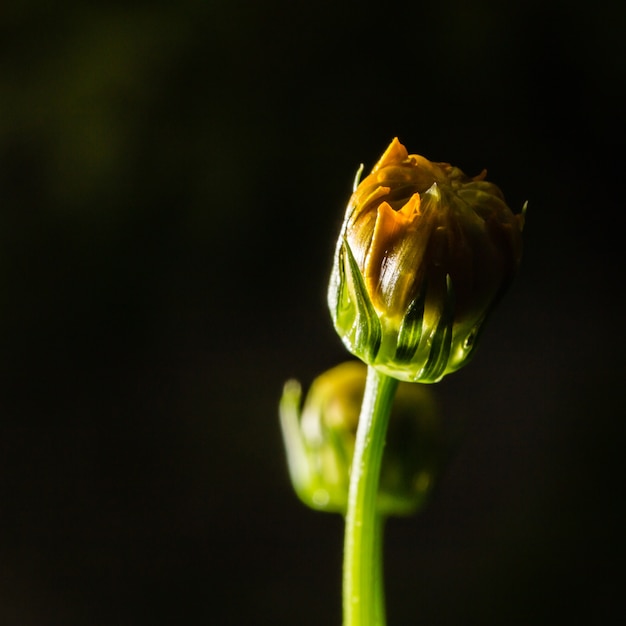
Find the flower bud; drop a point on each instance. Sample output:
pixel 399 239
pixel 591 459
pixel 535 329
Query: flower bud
pixel 320 441
pixel 425 253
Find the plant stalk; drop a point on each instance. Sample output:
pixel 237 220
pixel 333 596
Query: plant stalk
pixel 363 585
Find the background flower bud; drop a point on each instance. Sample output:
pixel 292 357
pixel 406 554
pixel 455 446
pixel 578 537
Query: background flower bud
pixel 425 253
pixel 320 441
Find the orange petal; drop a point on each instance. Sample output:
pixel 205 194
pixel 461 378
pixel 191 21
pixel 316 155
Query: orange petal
pixel 389 227
pixel 411 209
pixel 394 154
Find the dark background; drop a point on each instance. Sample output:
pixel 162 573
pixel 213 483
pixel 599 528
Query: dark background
pixel 172 180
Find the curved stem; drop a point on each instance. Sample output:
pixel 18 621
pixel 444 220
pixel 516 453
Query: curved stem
pixel 363 595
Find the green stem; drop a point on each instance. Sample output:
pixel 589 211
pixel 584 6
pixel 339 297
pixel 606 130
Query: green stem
pixel 379 579
pixel 363 594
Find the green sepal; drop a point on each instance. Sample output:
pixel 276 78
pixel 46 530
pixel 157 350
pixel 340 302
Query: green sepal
pixel 440 339
pixel 306 458
pixel 356 320
pixel 410 331
pixel 297 454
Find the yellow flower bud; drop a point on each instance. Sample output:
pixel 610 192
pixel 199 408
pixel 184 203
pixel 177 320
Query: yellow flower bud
pixel 424 254
pixel 320 440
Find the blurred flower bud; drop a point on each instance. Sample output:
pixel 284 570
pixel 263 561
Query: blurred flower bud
pixel 320 441
pixel 425 253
